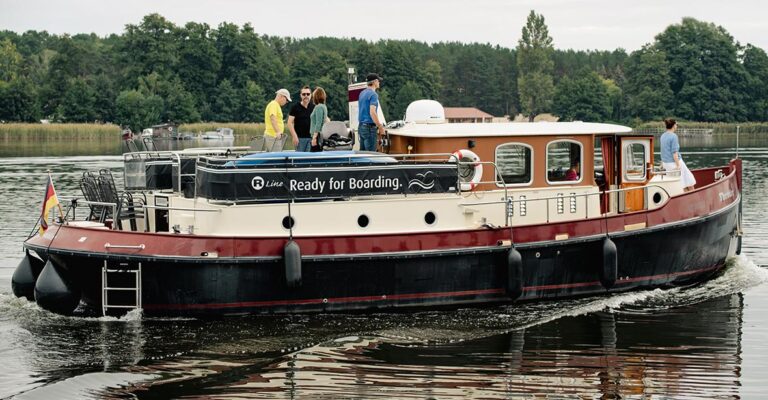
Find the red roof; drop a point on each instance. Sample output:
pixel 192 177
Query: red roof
pixel 465 112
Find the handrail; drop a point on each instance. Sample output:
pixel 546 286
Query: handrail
pixel 576 195
pixel 75 200
pixel 124 246
pixel 349 158
pixel 181 208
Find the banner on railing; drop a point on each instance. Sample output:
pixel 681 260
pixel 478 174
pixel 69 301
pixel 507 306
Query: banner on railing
pixel 297 183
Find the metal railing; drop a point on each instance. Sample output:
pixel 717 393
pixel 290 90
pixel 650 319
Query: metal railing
pixel 74 202
pixel 587 196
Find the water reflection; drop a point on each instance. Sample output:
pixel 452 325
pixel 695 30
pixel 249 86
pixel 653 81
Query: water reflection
pixel 607 354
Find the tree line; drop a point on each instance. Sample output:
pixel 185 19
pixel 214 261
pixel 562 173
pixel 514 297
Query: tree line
pixel 156 71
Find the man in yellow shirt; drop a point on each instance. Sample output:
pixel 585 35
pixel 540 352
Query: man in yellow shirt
pixel 273 119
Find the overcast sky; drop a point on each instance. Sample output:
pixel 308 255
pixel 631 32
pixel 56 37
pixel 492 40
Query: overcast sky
pixel 586 24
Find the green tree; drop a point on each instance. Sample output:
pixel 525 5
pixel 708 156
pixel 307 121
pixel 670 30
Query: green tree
pixel 254 102
pixel 707 80
pixel 226 104
pixel 648 84
pixel 615 99
pixel 245 56
pixel 756 64
pixel 137 111
pixel 199 60
pixel 367 58
pixel 407 93
pixel 179 104
pixel 79 102
pixel 534 63
pixel 18 101
pixel 584 98
pixel 151 46
pixel 10 61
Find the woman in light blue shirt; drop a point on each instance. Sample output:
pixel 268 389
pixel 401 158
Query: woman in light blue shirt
pixel 671 158
pixel 317 118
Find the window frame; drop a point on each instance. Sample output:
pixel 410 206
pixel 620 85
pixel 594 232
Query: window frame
pixel 581 163
pixel 531 165
pixel 646 147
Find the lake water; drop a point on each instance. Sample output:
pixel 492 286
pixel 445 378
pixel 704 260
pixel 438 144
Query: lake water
pixel 702 342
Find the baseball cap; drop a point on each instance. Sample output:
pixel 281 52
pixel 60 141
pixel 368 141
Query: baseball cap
pixel 372 77
pixel 285 93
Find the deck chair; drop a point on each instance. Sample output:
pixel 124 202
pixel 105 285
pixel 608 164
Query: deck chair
pixel 149 144
pixel 257 143
pixel 336 136
pixel 129 146
pixel 279 145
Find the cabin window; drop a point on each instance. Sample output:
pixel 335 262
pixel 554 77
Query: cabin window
pixel 635 157
pixel 564 162
pixel 515 163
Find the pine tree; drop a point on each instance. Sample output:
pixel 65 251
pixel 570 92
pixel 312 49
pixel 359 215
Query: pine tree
pixel 534 63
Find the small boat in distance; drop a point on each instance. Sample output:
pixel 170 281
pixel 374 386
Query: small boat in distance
pixel 444 215
pixel 126 133
pixel 219 134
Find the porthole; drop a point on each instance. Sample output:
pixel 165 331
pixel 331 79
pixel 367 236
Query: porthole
pixel 657 198
pixel 363 221
pixel 430 218
pixel 288 222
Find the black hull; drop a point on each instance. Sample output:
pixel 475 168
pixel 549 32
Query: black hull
pixel 677 254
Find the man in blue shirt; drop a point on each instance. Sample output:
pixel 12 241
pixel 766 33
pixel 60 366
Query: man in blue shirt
pixel 368 116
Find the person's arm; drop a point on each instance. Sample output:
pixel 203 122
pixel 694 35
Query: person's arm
pixel 275 126
pixel 676 153
pixel 292 129
pixel 375 118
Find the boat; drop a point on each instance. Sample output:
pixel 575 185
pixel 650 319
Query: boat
pixel 126 133
pixel 445 215
pixel 219 134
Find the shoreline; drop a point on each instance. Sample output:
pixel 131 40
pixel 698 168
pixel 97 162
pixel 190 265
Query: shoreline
pixel 249 129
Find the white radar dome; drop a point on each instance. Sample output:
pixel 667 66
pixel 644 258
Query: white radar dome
pixel 425 112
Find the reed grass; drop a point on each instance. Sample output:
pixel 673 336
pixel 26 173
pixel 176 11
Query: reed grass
pixel 717 127
pixel 59 131
pixel 98 131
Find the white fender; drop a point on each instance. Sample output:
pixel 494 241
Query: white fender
pixel 471 159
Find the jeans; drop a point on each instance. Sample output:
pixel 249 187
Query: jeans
pixel 304 144
pixel 367 135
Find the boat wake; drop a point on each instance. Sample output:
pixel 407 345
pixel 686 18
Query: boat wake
pixel 740 275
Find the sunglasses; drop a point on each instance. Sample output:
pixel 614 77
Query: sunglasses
pixel 306 94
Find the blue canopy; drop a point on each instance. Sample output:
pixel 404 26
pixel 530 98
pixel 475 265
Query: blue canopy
pixel 284 158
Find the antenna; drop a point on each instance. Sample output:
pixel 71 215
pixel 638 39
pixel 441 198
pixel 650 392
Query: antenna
pixel 737 141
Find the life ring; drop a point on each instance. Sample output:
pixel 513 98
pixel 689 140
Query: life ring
pixel 469 160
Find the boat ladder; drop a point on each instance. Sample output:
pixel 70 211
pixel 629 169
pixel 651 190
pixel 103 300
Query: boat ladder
pixel 119 281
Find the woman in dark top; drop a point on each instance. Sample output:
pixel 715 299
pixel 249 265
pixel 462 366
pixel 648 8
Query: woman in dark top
pixel 318 118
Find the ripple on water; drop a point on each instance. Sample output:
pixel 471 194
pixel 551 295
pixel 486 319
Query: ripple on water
pixel 583 347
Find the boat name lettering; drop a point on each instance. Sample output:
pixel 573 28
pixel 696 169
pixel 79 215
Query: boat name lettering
pixel 726 195
pixel 378 183
pixel 259 183
pixel 318 185
pixel 315 185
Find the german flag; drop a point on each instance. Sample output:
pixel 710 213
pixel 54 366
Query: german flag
pixel 49 202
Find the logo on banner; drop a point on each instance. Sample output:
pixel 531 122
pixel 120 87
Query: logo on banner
pixel 424 181
pixel 257 182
